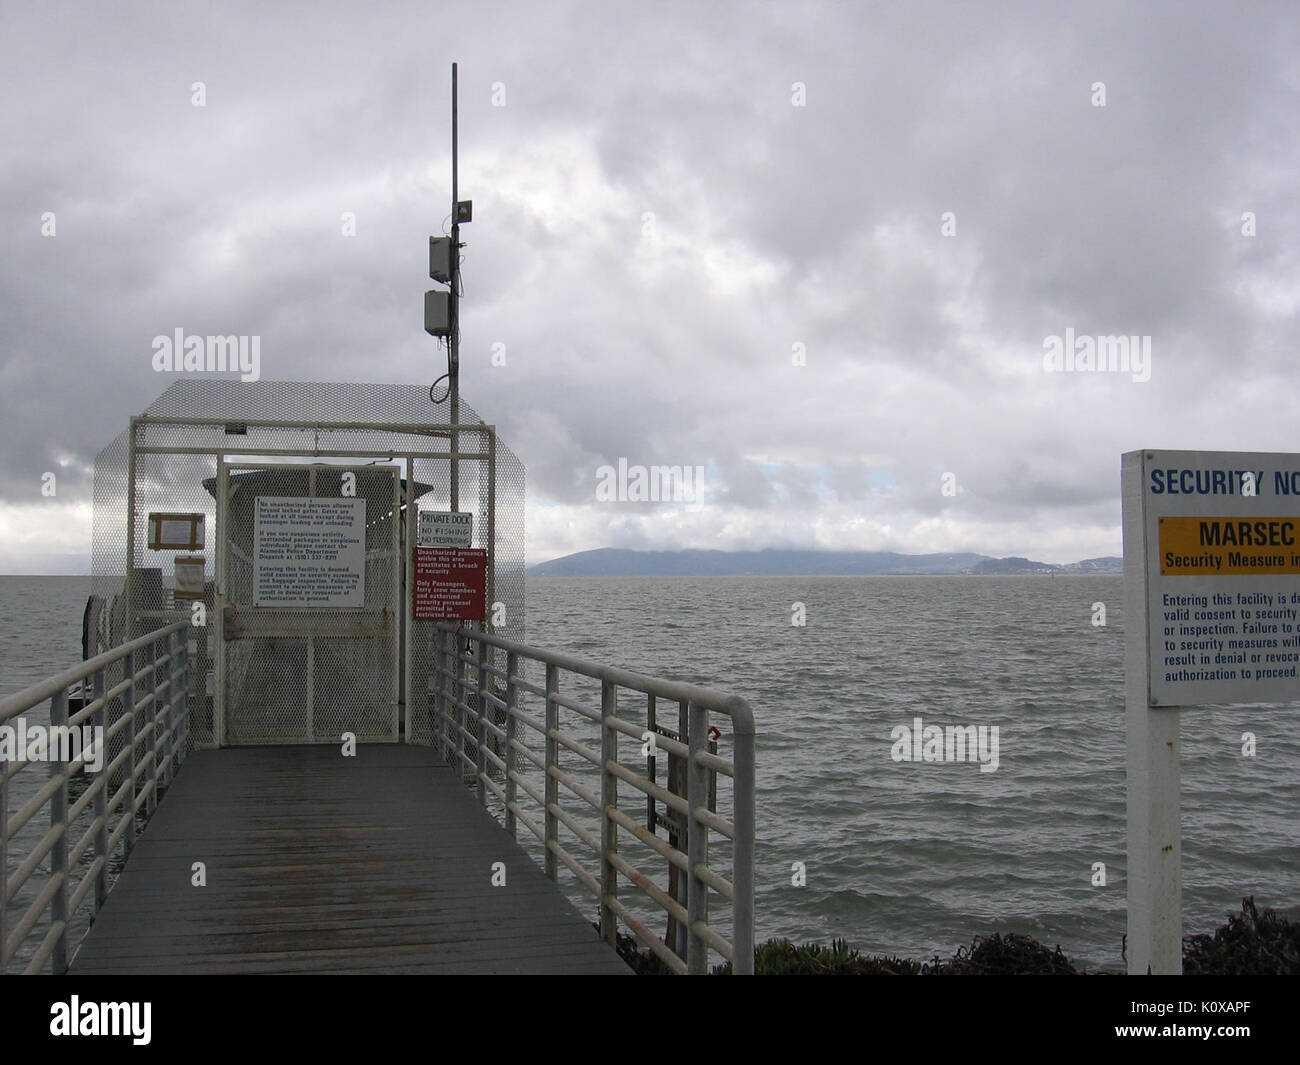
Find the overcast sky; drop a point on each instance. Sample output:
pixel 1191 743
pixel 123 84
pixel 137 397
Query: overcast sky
pixel 673 204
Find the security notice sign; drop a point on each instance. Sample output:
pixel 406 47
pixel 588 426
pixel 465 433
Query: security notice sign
pixel 309 552
pixel 450 584
pixel 1221 558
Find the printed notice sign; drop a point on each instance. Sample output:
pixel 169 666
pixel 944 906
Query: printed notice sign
pixel 176 532
pixel 309 552
pixel 445 528
pixel 450 584
pixel 1222 568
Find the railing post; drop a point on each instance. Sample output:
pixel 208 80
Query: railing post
pixel 608 801
pixel 128 673
pixel 151 803
pixel 742 939
pixel 443 667
pixel 184 738
pixel 4 865
pixel 552 788
pixel 170 713
pixel 697 842
pixel 512 698
pixel 448 713
pixel 101 796
pixel 480 758
pixel 460 698
pixel 59 821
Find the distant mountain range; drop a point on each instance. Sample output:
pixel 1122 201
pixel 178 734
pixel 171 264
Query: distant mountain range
pixel 617 562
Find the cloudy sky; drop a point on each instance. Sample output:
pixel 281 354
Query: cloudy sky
pixel 819 249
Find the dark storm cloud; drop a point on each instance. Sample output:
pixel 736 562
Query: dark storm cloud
pixel 658 227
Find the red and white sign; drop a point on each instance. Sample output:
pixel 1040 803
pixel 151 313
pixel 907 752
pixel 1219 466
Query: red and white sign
pixel 450 584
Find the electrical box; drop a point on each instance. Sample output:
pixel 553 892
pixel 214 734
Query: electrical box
pixel 440 259
pixel 437 313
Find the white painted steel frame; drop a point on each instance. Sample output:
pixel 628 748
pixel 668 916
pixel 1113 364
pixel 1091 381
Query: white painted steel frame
pixel 437 431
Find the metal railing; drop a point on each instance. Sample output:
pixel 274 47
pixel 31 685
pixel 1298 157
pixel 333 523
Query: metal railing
pixel 152 731
pixel 481 727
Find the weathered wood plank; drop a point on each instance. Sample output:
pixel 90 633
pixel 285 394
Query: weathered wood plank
pixel 319 863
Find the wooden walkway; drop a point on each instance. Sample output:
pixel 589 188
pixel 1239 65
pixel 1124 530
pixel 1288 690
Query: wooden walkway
pixel 320 863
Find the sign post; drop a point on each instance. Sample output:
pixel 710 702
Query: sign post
pixel 1212 615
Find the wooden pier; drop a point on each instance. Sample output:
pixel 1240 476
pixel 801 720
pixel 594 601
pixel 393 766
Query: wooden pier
pixel 316 862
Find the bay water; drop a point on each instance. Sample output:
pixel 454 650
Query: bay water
pixel 904 857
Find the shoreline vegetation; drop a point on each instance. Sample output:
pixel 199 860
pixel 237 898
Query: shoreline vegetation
pixel 1251 943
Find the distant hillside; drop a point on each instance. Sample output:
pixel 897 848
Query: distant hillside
pixel 617 562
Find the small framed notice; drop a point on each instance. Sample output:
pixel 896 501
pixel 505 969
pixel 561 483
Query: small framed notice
pixel 189 578
pixel 176 532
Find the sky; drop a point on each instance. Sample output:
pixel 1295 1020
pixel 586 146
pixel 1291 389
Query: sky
pixel 822 251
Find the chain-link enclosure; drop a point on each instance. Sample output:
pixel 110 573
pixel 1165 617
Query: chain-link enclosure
pixel 299 673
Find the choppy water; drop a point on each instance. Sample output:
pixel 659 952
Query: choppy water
pixel 903 858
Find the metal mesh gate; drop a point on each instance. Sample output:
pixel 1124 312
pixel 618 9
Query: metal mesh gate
pixel 369 672
pixel 294 674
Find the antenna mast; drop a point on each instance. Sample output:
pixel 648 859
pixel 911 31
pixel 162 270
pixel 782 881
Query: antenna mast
pixel 442 309
pixel 453 341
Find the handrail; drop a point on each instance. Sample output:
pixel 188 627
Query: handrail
pixel 480 734
pixel 156 727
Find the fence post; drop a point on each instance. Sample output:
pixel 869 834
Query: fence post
pixel 184 738
pixel 512 698
pixel 461 699
pixel 743 855
pixel 128 697
pixel 101 796
pixel 608 801
pixel 170 712
pixel 4 864
pixel 447 681
pixel 437 689
pixel 480 759
pixel 697 842
pixel 59 821
pixel 552 788
pixel 151 802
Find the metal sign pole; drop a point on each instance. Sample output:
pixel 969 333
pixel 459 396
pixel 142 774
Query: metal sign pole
pixel 1155 886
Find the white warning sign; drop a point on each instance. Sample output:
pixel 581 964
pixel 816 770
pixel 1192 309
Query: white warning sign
pixel 309 552
pixel 445 528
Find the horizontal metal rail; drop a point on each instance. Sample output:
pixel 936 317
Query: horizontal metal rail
pixel 153 730
pixel 480 726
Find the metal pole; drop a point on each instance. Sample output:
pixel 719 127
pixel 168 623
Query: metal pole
pixel 697 842
pixel 608 801
pixel 453 274
pixel 104 781
pixel 59 822
pixel 552 786
pixel 128 673
pixel 4 865
pixel 151 798
pixel 512 701
pixel 128 588
pixel 1154 877
pixel 482 730
pixel 184 738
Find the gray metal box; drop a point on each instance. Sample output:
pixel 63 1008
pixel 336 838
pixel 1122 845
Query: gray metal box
pixel 437 313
